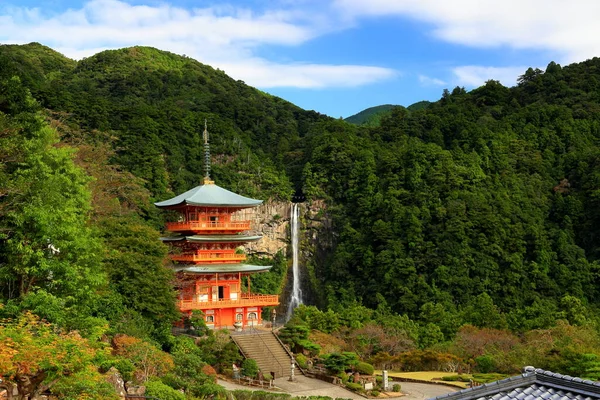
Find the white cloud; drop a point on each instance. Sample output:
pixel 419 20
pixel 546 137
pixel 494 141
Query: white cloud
pixel 569 28
pixel 224 37
pixel 474 75
pixel 428 81
pixel 267 75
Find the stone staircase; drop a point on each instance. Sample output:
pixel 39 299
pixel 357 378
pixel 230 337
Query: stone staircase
pixel 266 349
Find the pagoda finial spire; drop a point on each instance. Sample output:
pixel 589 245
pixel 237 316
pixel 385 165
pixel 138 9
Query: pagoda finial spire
pixel 207 180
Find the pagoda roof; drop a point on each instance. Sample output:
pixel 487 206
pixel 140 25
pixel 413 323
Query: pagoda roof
pixel 209 194
pixel 220 268
pixel 212 238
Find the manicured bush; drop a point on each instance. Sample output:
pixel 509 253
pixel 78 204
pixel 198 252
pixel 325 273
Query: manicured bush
pixel 457 378
pixel 160 390
pixel 364 368
pixel 374 393
pixel 357 387
pixel 485 378
pixel 396 387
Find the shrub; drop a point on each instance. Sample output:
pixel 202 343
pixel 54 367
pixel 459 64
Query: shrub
pixel 364 368
pixel 485 378
pixel 210 372
pixel 357 387
pixel 249 368
pixel 456 378
pixel 485 363
pixel 259 394
pixel 374 393
pixel 336 362
pixel 343 376
pixel 123 365
pixel 301 360
pixel 162 391
pixel 209 391
pixel 396 387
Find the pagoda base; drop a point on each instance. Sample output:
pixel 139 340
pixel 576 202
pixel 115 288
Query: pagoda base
pixel 219 316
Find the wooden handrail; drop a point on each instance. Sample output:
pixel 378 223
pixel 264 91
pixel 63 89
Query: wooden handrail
pixel 212 257
pixel 246 300
pixel 207 225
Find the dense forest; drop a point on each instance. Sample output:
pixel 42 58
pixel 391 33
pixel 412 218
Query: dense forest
pixel 476 216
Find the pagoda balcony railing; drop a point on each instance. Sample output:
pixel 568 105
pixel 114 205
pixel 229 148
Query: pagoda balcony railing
pixel 222 258
pixel 207 225
pixel 247 300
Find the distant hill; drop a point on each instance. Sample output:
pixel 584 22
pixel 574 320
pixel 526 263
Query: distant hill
pixel 420 105
pixel 370 116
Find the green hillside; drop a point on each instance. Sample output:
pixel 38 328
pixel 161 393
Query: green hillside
pixel 420 105
pixel 370 116
pixel 462 231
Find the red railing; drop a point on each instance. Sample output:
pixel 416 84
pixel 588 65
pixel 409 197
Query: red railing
pixel 209 226
pixel 247 300
pixel 217 258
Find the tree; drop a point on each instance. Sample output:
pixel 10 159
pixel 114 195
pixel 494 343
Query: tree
pixel 35 355
pixel 147 358
pixel 46 243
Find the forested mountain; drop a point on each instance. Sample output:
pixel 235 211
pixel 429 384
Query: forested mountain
pixel 154 104
pixel 481 208
pixel 487 193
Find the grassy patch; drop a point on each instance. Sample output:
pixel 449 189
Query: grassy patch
pixel 426 376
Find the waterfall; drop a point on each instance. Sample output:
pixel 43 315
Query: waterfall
pixel 296 298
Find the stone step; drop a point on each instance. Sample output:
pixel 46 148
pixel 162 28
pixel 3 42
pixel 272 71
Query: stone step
pixel 266 350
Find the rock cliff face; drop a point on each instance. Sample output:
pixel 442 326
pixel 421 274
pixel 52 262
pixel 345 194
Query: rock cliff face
pixel 272 220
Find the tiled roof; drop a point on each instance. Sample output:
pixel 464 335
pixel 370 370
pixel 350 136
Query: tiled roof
pixel 209 195
pixel 220 268
pixel 532 384
pixel 212 238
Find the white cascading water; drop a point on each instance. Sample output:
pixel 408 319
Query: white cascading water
pixel 296 298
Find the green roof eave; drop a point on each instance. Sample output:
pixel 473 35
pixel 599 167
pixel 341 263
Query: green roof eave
pixel 212 238
pixel 209 195
pixel 220 268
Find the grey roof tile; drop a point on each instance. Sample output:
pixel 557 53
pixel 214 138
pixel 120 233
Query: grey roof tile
pixel 533 384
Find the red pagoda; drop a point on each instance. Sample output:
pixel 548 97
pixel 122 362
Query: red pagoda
pixel 206 256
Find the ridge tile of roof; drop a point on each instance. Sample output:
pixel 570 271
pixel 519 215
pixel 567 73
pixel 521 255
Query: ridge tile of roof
pixel 532 384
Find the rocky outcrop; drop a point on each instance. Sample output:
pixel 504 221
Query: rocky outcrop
pixel 114 378
pixel 271 219
pixel 134 390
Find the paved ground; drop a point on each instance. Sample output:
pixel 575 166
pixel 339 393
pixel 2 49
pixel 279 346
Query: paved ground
pixel 304 386
pixel 424 390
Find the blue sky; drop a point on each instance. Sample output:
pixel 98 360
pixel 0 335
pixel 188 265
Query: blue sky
pixel 337 57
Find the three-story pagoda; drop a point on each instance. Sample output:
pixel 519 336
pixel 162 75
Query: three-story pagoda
pixel 210 229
